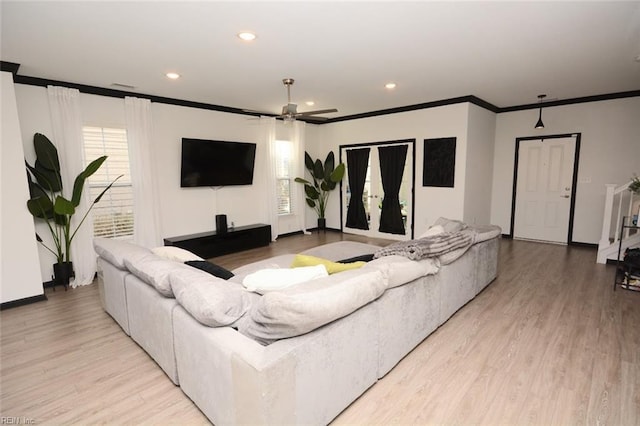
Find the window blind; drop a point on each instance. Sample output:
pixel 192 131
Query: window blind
pixel 113 215
pixel 283 176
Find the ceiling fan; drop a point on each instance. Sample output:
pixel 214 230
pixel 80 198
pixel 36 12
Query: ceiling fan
pixel 290 110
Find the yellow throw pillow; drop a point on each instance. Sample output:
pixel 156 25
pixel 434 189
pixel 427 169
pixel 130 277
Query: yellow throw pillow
pixel 332 267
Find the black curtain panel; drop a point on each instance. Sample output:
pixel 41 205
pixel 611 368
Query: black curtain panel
pixel 392 159
pixel 357 164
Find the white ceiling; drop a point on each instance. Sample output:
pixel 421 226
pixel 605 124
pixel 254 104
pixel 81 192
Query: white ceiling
pixel 340 53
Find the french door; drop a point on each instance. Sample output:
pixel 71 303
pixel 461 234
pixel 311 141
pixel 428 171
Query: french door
pixel 544 189
pixel 378 166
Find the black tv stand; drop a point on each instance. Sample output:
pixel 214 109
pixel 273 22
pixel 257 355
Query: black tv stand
pixel 211 244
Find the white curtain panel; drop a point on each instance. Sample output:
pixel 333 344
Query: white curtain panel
pixel 297 191
pixel 268 136
pixel 66 119
pixel 146 204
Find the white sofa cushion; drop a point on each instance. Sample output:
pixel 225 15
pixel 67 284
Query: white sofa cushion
pixel 305 307
pixel 176 254
pixel 154 270
pixel 450 225
pixel 398 270
pixel 212 301
pixel 116 251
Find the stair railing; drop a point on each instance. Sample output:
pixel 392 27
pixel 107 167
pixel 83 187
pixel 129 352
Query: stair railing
pixel 623 200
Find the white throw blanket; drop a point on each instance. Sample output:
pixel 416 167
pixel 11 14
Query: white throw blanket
pixel 430 246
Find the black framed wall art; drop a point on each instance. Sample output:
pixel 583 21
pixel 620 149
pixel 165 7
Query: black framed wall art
pixel 439 162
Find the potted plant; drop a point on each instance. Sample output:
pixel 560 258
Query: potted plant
pixel 325 177
pixel 48 203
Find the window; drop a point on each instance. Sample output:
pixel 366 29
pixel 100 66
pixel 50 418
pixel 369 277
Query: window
pixel 113 215
pixel 284 154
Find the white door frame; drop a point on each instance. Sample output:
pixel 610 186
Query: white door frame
pixel 573 185
pixel 412 148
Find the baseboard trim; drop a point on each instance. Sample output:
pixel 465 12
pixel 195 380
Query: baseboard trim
pixel 326 229
pixel 289 234
pixel 22 302
pixel 585 245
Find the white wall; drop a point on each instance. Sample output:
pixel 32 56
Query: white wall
pixel 19 277
pixel 610 153
pixel 446 121
pixel 192 210
pixel 183 210
pixel 479 171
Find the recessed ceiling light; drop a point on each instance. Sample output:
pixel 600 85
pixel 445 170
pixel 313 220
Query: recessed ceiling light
pixel 247 36
pixel 390 85
pixel 310 103
pixel 173 75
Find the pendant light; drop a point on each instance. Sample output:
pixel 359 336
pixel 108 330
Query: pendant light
pixel 540 124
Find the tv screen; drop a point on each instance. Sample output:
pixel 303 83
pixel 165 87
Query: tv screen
pixel 216 163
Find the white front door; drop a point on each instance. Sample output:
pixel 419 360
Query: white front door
pixel 543 189
pixel 374 193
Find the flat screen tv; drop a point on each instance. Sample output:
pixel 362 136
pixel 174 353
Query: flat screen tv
pixel 216 163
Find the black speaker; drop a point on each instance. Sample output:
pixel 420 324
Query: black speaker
pixel 221 223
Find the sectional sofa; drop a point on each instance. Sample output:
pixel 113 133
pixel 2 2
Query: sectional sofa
pixel 297 355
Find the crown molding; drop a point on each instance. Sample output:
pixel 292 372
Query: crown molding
pixel 9 67
pixel 102 91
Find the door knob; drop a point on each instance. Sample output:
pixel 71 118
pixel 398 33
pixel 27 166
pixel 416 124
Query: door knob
pixel 565 196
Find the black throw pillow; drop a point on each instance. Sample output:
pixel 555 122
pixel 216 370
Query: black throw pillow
pixel 362 258
pixel 211 268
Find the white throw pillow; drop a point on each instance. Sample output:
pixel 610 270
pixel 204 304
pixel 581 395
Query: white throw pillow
pixel 266 280
pixel 176 254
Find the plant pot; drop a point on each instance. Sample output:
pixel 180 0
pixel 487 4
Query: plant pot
pixel 322 223
pixel 62 273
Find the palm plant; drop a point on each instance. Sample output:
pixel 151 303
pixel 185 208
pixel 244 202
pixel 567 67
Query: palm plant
pixel 325 177
pixel 48 203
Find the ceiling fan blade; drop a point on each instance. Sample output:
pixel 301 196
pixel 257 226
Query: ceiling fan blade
pixel 313 118
pixel 319 111
pixel 253 111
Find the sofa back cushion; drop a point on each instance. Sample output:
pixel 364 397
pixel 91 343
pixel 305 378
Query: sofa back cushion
pixel 212 301
pixel 305 307
pixel 176 254
pixel 154 270
pixel 116 251
pixel 398 270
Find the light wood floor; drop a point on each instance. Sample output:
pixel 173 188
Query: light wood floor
pixel 548 342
